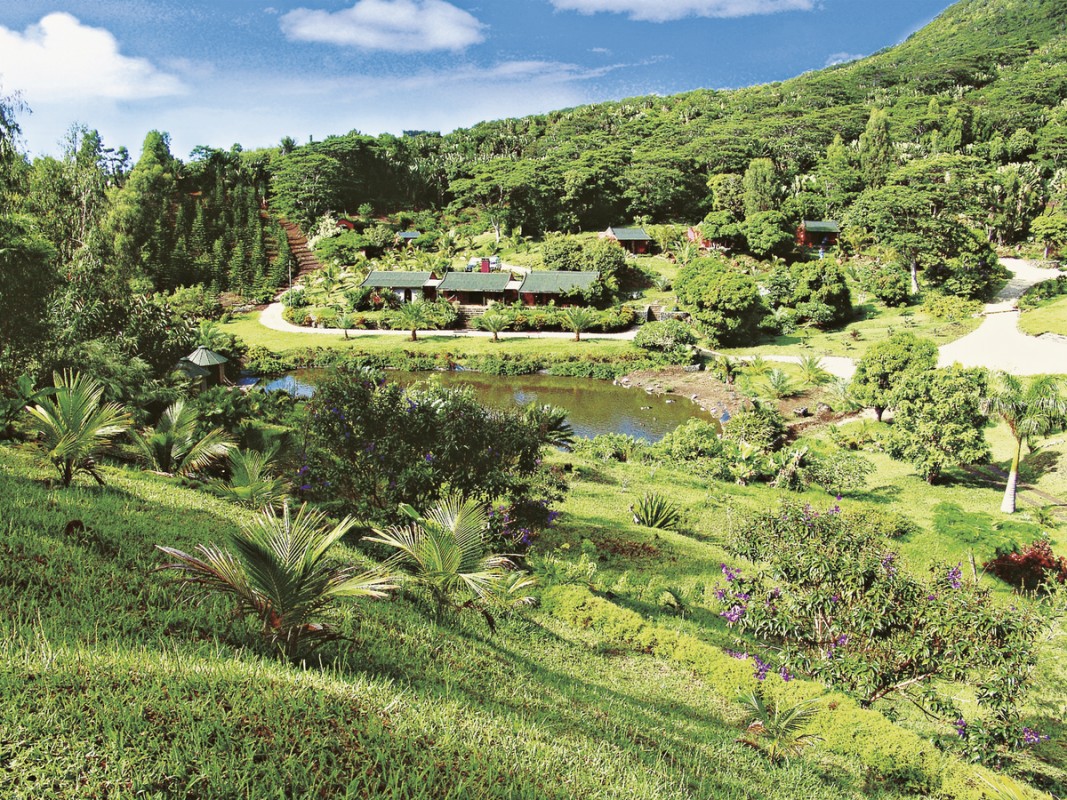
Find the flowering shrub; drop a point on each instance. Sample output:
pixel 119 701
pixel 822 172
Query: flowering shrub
pixel 838 605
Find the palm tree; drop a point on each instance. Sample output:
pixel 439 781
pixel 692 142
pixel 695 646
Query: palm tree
pixel 173 445
pixel 251 483
pixel 577 319
pixel 280 575
pixel 412 317
pixel 812 371
pixel 1030 409
pixel 494 322
pixel 551 424
pixel 75 424
pixel 777 731
pixel 775 385
pixel 445 550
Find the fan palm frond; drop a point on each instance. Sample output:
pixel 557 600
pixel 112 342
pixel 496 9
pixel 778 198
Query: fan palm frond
pixel 74 424
pixel 778 731
pixel 280 574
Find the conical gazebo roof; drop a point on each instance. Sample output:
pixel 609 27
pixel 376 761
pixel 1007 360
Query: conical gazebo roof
pixel 203 357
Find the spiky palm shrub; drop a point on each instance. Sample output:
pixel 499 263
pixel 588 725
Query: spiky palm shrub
pixel 1029 409
pixel 75 425
pixel 251 483
pixel 551 424
pixel 444 552
pixel 173 446
pixel 776 731
pixel 812 371
pixel 840 395
pixel 578 319
pixel 656 511
pixel 492 322
pixel 776 384
pixel 279 573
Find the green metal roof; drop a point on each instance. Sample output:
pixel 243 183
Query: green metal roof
pixel 203 357
pixel 474 282
pixel 630 234
pixel 557 282
pixel 409 234
pixel 821 226
pixel 390 279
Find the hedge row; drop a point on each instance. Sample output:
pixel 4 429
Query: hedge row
pixel 889 753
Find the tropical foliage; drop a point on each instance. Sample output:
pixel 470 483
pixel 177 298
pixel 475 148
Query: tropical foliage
pixel 279 572
pixel 75 425
pixel 174 445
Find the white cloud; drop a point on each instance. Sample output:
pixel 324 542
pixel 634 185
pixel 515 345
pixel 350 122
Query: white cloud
pixel 59 59
pixel 400 26
pixel 834 59
pixel 665 10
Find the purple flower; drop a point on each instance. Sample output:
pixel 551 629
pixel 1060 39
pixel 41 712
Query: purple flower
pixel 835 598
pixel 838 497
pixel 887 563
pixel 730 573
pixel 931 597
pixel 961 727
pixel 720 594
pixel 734 614
pixel 429 458
pixel 955 577
pixel 1030 736
pixel 736 654
pixel 783 673
pixel 742 596
pixel 762 668
pixel 841 640
pixel 305 487
pixel 303 470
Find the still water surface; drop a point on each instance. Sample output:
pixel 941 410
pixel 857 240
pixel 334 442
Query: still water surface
pixel 593 406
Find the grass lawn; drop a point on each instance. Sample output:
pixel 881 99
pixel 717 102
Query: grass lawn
pixel 852 341
pixel 1048 318
pixel 247 327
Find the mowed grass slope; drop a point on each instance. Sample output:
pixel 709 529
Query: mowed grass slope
pixel 116 685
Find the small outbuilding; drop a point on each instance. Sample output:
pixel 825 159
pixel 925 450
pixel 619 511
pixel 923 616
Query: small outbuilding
pixel 211 367
pixel 635 240
pixel 404 238
pixel 474 288
pixel 818 233
pixel 541 287
pixel 407 286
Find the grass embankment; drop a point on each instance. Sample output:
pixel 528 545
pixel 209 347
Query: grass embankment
pixel 1048 318
pixel 116 688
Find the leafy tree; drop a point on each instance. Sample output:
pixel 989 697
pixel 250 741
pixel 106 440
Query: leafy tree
pixel 372 445
pixel 306 184
pixel 766 234
pixel 938 420
pixel 1030 409
pixel 760 185
pixel 75 425
pixel 445 550
pixel 174 446
pixel 1051 231
pixel 820 292
pixel 665 336
pixel 885 364
pixel 281 575
pixel 876 149
pixel 838 604
pixel 563 253
pixel 27 279
pixel 727 194
pixel 725 301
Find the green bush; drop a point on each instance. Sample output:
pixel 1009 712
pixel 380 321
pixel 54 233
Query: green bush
pixel 665 336
pixel 695 439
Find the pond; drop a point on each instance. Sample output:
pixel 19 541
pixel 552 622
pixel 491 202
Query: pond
pixel 593 406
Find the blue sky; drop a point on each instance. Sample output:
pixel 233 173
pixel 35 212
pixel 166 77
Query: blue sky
pixel 216 72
